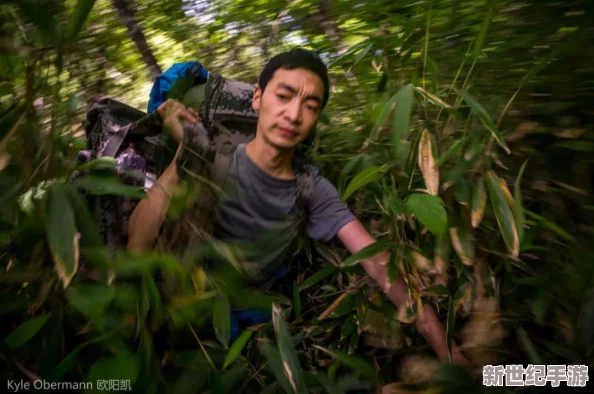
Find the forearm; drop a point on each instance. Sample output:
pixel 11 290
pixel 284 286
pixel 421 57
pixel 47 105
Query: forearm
pixel 148 216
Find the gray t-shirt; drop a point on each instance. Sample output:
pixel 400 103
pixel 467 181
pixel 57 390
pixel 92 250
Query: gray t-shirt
pixel 259 216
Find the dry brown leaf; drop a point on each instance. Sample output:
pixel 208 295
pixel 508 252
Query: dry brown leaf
pixel 4 160
pixel 419 369
pixel 571 133
pixel 427 164
pixel 477 216
pixel 483 333
pixel 522 131
pixel 506 191
pixel 334 305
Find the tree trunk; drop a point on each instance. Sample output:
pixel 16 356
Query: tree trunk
pixel 135 32
pixel 323 18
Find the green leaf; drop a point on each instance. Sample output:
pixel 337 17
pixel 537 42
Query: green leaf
pixel 85 223
pixel 357 364
pixel 317 277
pixel 583 146
pixel 296 301
pixel 91 300
pixel 237 347
pixel 485 118
pixel 519 216
pixel 429 210
pixel 78 18
pixel 277 366
pixel 61 233
pixel 451 322
pixel 100 186
pixel 346 170
pixel 529 347
pixel 119 367
pixel 393 270
pixel 401 119
pixel 102 163
pixel 367 252
pixel 435 290
pixel 478 44
pixel 362 54
pixel 503 213
pixel 291 366
pixel 347 53
pixel 451 152
pixel 551 226
pixel 222 319
pixel 27 330
pixel 363 178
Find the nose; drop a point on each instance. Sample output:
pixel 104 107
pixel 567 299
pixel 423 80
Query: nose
pixel 293 111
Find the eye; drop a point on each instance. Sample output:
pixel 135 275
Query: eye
pixel 282 96
pixel 313 108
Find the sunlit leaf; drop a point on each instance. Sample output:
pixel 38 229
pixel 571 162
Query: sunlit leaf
pixel 78 18
pixel 429 210
pixel 27 330
pixel 237 347
pixel 362 54
pixel 62 235
pixel 363 178
pixel 503 214
pixel 427 163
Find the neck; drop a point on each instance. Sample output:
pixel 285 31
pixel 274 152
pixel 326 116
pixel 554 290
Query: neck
pixel 273 161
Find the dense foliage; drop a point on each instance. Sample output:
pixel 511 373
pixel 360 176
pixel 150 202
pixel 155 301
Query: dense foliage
pixel 459 132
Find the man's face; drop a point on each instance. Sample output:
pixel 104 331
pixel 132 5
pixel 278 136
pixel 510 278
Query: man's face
pixel 289 107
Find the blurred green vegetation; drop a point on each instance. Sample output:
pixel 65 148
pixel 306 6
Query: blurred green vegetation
pixel 498 93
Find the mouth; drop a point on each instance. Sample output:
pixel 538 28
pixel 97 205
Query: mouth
pixel 287 133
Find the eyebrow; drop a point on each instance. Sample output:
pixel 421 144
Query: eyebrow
pixel 291 89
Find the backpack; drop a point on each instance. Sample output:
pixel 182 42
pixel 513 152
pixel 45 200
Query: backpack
pixel 136 141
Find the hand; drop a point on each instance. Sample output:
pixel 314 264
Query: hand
pixel 172 113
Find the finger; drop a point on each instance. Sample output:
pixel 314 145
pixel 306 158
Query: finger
pixel 193 112
pixel 189 116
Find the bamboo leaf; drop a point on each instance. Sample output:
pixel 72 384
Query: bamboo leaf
pixel 357 364
pixel 429 210
pixel 503 214
pixel 62 235
pixel 27 330
pixel 222 319
pixel 79 16
pixel 367 252
pixel 291 367
pixel 296 301
pixel 435 290
pixel 363 178
pixel 519 216
pixel 100 186
pixel 401 119
pixel 317 277
pixel 433 98
pixel 118 367
pixel 483 31
pixel 237 347
pixel 361 55
pixel 461 238
pixel 275 363
pixel 427 163
pixel 479 202
pixel 485 118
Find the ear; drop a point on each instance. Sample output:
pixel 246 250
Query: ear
pixel 256 98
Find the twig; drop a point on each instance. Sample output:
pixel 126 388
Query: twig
pixel 203 349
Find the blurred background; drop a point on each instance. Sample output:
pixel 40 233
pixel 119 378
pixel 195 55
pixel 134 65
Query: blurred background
pixel 498 93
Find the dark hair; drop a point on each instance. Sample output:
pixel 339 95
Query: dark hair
pixel 297 58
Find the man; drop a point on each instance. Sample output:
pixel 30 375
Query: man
pixel 292 91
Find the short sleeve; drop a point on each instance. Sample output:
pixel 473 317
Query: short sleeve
pixel 327 213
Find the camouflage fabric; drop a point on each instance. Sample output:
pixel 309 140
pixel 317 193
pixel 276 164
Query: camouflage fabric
pixel 130 136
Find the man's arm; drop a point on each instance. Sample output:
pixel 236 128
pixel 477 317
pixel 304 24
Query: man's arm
pixel 149 214
pixel 355 237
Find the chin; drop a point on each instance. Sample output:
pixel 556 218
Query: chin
pixel 284 144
